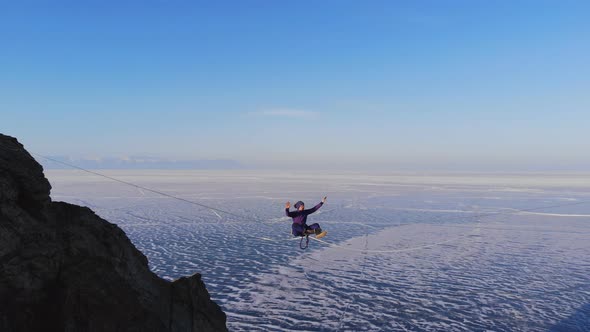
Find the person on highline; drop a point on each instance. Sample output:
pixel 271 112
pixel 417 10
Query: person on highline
pixel 300 227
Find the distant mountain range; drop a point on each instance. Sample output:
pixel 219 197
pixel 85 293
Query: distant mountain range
pixel 138 162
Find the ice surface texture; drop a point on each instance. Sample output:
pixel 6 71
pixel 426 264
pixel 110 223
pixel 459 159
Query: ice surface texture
pixel 458 254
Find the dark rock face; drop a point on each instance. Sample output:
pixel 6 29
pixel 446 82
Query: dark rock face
pixel 63 268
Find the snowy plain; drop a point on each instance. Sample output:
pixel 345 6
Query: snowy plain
pixel 404 251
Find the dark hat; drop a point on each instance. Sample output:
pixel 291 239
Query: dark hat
pixel 298 204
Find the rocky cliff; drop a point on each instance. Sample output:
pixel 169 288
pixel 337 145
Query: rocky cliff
pixel 63 268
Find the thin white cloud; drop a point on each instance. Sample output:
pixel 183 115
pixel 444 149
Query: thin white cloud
pixel 289 113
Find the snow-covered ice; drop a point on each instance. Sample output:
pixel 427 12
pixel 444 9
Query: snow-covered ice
pixel 403 252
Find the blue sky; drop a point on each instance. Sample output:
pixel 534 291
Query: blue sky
pixel 470 85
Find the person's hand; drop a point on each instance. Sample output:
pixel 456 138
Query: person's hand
pixel 324 199
pixel 288 205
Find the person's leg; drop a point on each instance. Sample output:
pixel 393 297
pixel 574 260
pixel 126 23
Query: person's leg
pixel 314 229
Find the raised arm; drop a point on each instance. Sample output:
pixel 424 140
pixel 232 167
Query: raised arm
pixel 317 207
pixel 287 212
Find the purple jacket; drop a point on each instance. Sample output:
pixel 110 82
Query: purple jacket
pixel 300 217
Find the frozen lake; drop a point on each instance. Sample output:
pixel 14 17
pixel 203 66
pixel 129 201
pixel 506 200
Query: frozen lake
pixel 404 252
